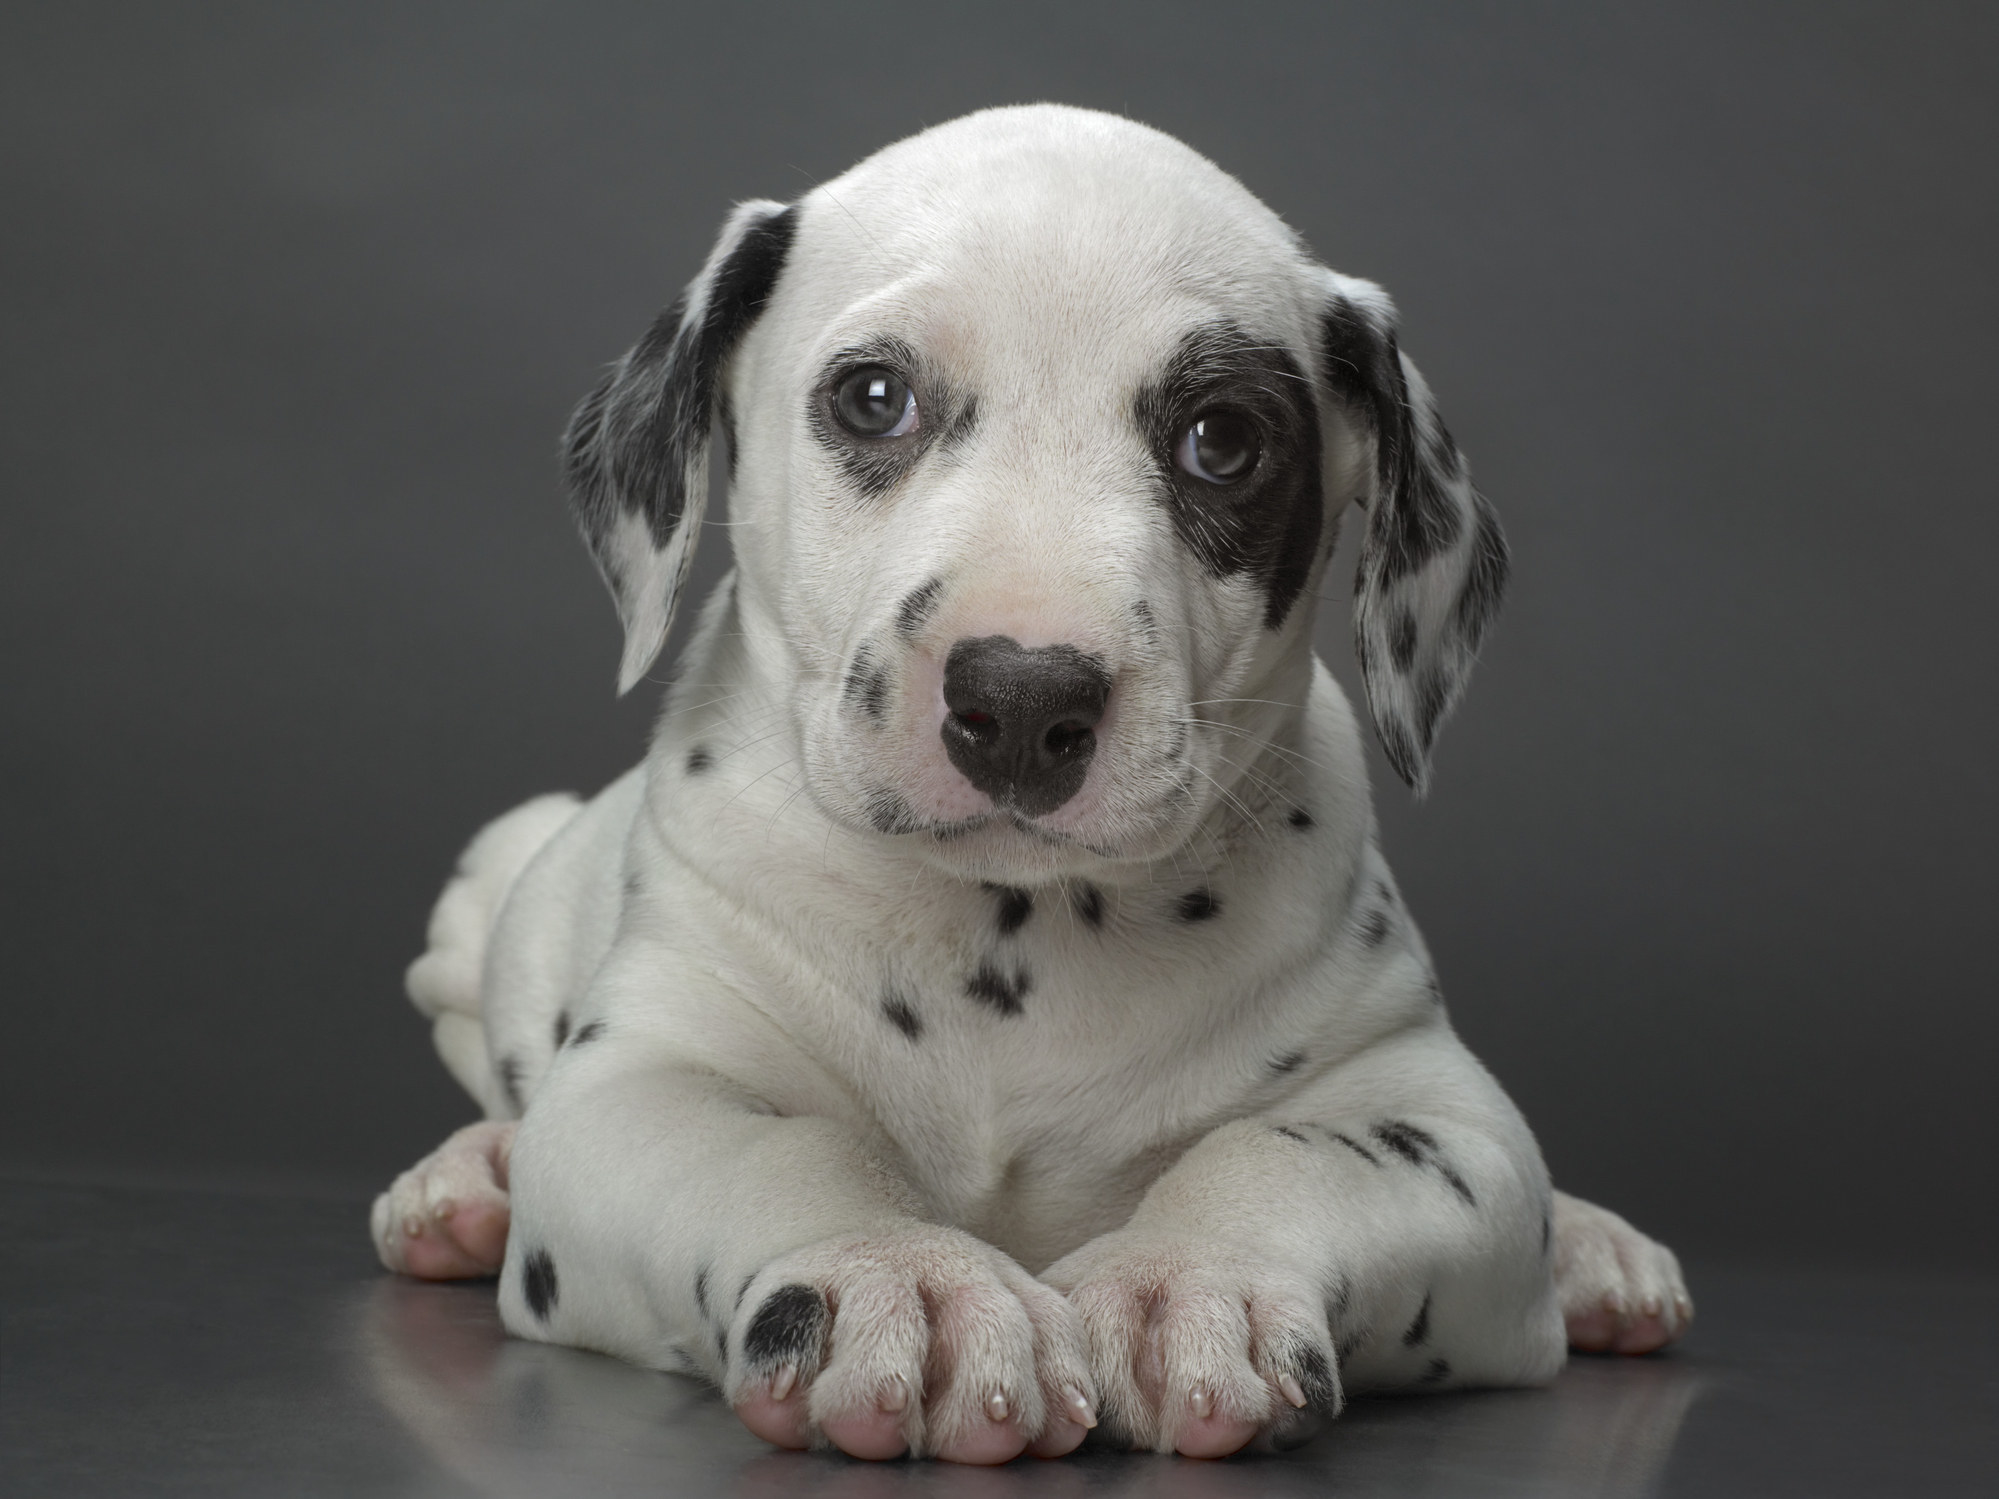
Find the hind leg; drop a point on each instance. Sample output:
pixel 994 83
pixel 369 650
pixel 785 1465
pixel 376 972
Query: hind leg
pixel 1621 1292
pixel 446 1217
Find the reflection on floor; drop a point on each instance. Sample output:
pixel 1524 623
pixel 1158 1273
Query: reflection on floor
pixel 185 1342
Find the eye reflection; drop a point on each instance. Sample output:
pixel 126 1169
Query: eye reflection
pixel 1221 447
pixel 874 401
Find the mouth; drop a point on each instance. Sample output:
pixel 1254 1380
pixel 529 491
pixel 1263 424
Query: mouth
pixel 1006 819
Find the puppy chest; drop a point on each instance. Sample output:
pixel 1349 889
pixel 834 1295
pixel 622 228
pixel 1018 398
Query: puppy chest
pixel 1038 1072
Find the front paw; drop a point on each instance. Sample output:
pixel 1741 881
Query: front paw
pixel 447 1217
pixel 925 1340
pixel 1621 1292
pixel 1198 1348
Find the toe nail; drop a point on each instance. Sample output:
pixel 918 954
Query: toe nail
pixel 1653 1306
pixel 896 1395
pixel 1201 1404
pixel 1293 1391
pixel 996 1406
pixel 413 1227
pixel 781 1383
pixel 1079 1404
pixel 444 1209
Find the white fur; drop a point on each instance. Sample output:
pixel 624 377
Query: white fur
pixel 747 1116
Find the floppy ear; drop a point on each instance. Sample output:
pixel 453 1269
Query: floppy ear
pixel 1433 560
pixel 637 448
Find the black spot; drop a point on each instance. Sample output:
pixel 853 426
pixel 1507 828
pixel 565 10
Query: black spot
pixel 1015 906
pixel 1266 524
pixel 1289 1133
pixel 1420 1328
pixel 538 1284
pixel 698 759
pixel 722 1342
pixel 1414 1145
pixel 587 1033
pixel 701 1289
pixel 918 606
pixel 1438 1372
pixel 634 884
pixel 1142 612
pixel 1349 1345
pixel 1419 1148
pixel 1301 819
pixel 561 1028
pixel 787 1328
pixel 1436 989
pixel 1457 1182
pixel 997 989
pixel 1321 1389
pixel 1485 580
pixel 1402 641
pixel 1547 1230
pixel 510 1081
pixel 742 1291
pixel 902 1015
pixel 1089 902
pixel 866 687
pixel 1291 1061
pixel 1356 1147
pixel 890 813
pixel 1316 1379
pixel 1198 905
pixel 1375 926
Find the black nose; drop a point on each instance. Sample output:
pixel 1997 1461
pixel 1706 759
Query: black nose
pixel 1021 721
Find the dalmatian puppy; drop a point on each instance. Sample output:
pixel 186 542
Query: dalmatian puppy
pixel 987 1013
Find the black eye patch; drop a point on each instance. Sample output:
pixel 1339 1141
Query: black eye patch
pixel 1264 518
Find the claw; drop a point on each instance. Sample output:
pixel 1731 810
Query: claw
pixel 1079 1406
pixel 1293 1391
pixel 996 1406
pixel 781 1383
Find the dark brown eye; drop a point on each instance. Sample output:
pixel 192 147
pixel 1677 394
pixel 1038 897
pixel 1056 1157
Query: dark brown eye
pixel 1221 447
pixel 874 401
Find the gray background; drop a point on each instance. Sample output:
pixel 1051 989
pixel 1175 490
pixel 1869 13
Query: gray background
pixel 295 304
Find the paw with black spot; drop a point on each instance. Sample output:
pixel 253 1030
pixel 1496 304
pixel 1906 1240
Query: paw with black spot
pixel 922 1340
pixel 1621 1292
pixel 1200 1349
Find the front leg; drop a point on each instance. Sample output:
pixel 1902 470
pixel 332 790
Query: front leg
pixel 670 1216
pixel 1386 1227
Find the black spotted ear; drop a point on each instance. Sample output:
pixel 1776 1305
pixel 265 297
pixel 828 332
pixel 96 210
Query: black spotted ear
pixel 1433 561
pixel 637 448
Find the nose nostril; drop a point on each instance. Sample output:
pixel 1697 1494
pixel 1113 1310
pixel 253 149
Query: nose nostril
pixel 1062 738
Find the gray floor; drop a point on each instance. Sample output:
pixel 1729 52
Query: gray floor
pixel 182 1342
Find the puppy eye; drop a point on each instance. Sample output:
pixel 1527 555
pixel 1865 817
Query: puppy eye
pixel 1220 448
pixel 875 402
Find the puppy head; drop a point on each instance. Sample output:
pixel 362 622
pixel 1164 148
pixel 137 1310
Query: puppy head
pixel 1041 426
